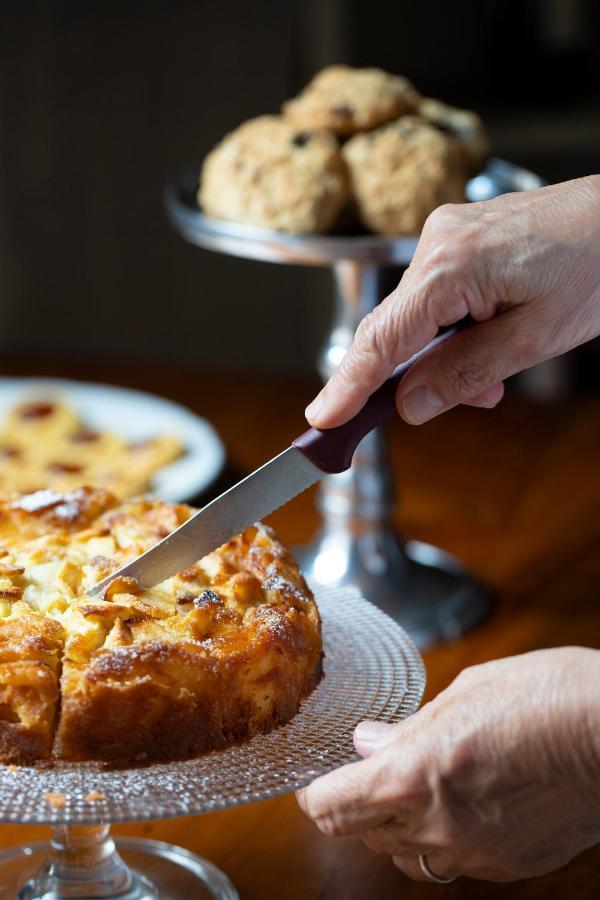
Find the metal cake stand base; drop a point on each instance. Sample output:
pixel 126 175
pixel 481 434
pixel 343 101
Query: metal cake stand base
pixel 422 587
pixel 426 590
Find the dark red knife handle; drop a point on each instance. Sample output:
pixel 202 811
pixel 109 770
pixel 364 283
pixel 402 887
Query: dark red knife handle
pixel 332 450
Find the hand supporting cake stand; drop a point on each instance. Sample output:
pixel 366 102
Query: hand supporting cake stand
pixel 372 670
pixel 421 586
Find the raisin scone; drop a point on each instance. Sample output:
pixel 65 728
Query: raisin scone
pixel 465 125
pixel 346 100
pixel 218 653
pixel 271 174
pixel 401 172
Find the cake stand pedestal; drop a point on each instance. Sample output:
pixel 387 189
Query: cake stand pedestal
pixel 422 587
pixel 372 670
pixel 85 862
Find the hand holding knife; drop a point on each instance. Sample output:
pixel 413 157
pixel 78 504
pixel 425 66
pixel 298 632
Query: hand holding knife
pixel 310 457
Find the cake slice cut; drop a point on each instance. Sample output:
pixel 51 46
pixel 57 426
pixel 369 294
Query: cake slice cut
pixel 30 653
pixel 216 654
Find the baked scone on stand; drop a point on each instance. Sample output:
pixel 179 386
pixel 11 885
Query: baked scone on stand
pixel 220 652
pixel 357 151
pixel 402 171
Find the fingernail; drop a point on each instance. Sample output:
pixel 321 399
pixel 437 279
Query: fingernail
pixel 370 732
pixel 421 404
pixel 313 409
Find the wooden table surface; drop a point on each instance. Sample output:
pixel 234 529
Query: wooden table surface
pixel 514 492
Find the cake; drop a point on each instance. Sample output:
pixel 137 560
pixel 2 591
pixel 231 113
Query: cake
pixel 220 652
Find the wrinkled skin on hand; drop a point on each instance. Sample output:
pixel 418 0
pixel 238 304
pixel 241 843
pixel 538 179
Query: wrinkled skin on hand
pixel 526 266
pixel 498 778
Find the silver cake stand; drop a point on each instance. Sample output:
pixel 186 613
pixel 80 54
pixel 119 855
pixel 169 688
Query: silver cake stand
pixel 372 669
pixel 422 587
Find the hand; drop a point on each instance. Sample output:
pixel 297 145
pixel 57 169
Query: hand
pixel 526 266
pixel 497 778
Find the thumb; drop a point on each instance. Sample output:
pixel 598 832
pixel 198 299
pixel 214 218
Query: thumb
pixel 468 367
pixel 370 735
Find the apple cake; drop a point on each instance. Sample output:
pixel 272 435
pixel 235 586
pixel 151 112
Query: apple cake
pixel 45 444
pixel 222 651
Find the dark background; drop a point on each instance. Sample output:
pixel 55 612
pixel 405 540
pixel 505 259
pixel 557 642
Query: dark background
pixel 102 102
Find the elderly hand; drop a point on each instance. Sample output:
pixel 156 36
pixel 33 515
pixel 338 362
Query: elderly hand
pixel 497 778
pixel 526 266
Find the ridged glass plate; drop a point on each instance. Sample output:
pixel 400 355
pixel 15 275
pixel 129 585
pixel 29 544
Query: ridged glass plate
pixel 372 670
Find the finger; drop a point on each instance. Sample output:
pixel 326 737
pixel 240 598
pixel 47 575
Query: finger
pixel 439 864
pixel 466 366
pixel 376 350
pixel 392 838
pixel 370 736
pixel 489 398
pixel 409 866
pixel 402 324
pixel 349 800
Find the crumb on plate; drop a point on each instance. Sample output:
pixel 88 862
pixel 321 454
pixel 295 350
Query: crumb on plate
pixel 55 799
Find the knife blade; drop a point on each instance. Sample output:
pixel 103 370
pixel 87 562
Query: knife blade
pixel 251 499
pixel 310 457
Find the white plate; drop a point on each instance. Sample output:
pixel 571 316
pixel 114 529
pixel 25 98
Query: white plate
pixel 135 415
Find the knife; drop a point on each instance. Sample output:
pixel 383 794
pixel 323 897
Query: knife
pixel 310 457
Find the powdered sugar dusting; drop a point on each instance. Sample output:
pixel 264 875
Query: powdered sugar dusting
pixel 66 506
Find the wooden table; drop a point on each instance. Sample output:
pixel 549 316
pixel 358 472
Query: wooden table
pixel 514 492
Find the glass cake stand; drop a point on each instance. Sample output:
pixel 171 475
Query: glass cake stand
pixel 422 587
pixel 372 670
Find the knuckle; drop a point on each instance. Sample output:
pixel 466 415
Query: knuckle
pixel 442 253
pixel 309 800
pixel 328 821
pixel 442 217
pixel 463 381
pixel 330 826
pixel 454 242
pixel 372 337
pixel 365 339
pixel 467 676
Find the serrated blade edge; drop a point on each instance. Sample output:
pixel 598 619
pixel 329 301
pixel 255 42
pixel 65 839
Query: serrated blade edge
pixel 257 495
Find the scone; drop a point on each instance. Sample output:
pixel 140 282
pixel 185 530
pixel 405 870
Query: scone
pixel 222 651
pixel 465 125
pixel 346 100
pixel 271 174
pixel 44 444
pixel 401 172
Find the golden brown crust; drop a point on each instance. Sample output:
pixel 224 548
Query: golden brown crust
pixel 30 649
pixel 218 653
